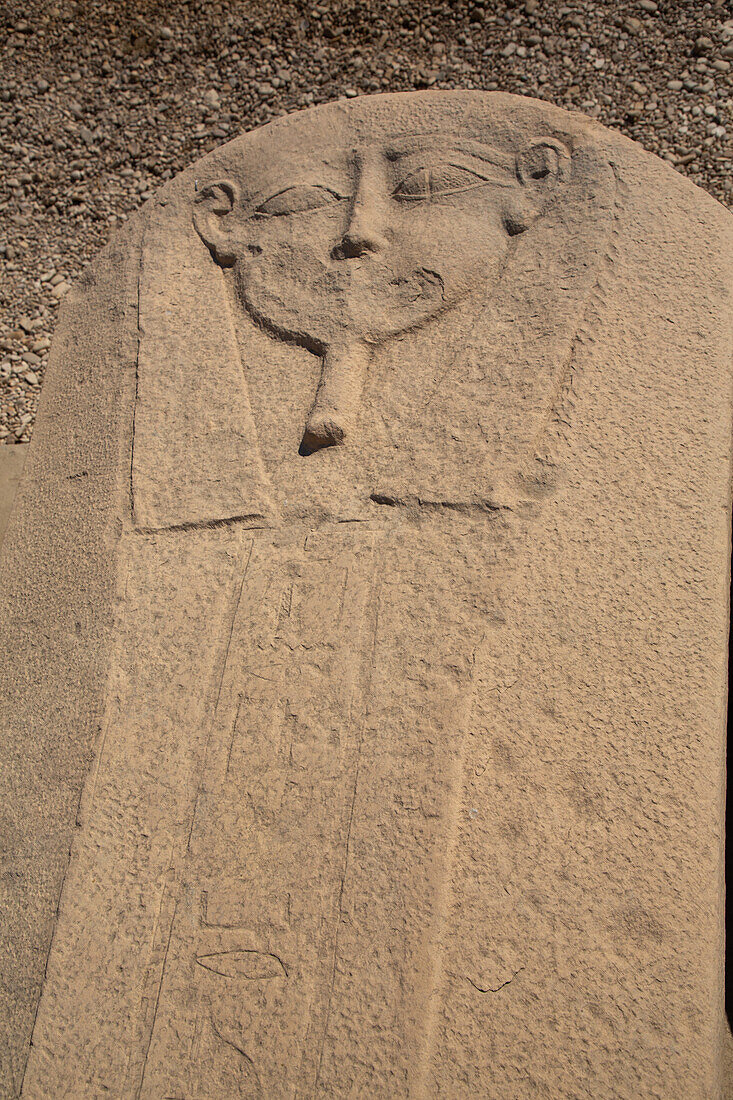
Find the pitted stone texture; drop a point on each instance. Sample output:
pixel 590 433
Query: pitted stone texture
pixel 371 723
pixel 12 460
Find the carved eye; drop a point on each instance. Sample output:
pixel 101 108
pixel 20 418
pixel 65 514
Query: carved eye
pixel 296 200
pixel 441 179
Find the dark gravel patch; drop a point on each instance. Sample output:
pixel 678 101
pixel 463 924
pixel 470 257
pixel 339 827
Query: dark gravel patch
pixel 102 102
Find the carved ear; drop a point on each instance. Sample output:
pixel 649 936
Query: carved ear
pixel 539 169
pixel 542 165
pixel 213 203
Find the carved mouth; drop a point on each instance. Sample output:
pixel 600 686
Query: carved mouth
pixel 422 283
pixel 362 297
pixel 363 279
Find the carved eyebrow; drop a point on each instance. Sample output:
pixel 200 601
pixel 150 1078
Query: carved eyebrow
pixel 303 187
pixel 428 143
pixel 463 163
pixel 264 194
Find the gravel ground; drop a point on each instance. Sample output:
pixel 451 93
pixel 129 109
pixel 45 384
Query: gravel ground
pixel 101 102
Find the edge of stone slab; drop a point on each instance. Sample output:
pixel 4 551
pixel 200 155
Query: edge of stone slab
pixel 12 461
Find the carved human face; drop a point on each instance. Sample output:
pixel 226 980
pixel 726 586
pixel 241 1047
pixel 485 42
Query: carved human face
pixel 366 243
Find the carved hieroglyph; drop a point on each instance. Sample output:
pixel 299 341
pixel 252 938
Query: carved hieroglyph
pixel 410 504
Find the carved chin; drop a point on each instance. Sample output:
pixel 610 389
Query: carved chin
pixel 365 301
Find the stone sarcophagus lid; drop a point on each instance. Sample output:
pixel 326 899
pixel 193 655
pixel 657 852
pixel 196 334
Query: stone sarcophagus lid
pixel 364 627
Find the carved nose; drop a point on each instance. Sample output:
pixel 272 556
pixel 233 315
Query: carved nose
pixel 361 237
pixel 359 243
